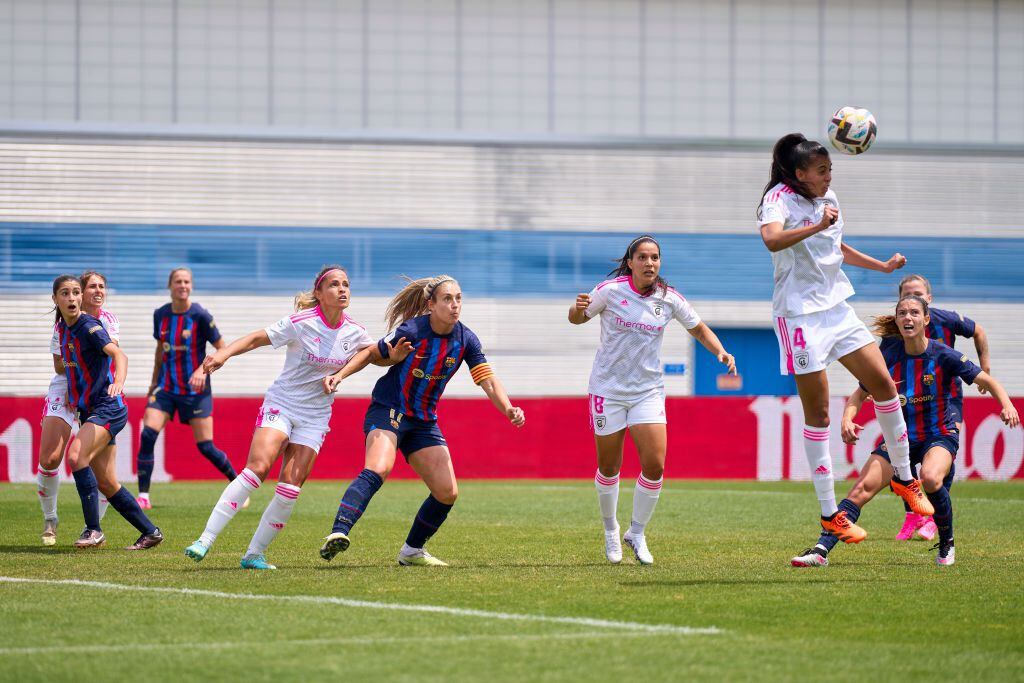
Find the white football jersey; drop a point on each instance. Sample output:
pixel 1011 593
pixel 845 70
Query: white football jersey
pixel 110 323
pixel 628 361
pixel 315 350
pixel 808 275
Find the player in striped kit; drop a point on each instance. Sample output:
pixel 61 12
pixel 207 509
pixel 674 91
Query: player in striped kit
pixel 182 330
pixel 95 369
pixel 296 411
pixel 926 371
pixel 627 387
pixel 945 326
pixel 59 417
pixel 802 226
pixel 402 413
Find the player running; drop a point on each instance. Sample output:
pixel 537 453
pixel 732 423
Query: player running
pixel 59 416
pixel 925 371
pixel 627 387
pixel 802 226
pixel 182 329
pixel 296 412
pixel 401 415
pixel 945 326
pixel 94 389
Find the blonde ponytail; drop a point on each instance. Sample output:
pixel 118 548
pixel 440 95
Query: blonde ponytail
pixel 412 300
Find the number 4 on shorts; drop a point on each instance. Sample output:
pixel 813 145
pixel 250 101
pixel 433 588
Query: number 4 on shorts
pixel 798 338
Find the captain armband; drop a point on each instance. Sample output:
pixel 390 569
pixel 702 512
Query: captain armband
pixel 481 372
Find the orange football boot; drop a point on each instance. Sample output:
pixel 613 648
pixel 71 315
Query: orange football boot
pixel 842 528
pixel 911 492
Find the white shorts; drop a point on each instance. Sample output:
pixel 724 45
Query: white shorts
pixel 57 401
pixel 303 431
pixel 611 415
pixel 809 343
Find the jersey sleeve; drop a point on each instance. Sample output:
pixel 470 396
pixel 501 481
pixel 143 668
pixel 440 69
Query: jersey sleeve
pixel 156 324
pixel 112 325
pixel 598 299
pixel 97 335
pixel 55 342
pixel 406 329
pixel 282 332
pixel 683 311
pixel 209 327
pixel 961 325
pixel 479 368
pixel 364 340
pixel 959 365
pixel 773 210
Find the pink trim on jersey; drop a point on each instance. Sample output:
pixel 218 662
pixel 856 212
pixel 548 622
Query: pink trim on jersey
pixel 674 291
pixel 350 320
pixel 784 333
pixel 609 282
pixel 341 320
pixel 303 315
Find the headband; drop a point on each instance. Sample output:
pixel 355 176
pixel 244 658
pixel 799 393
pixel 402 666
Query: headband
pixel 316 285
pixel 640 239
pixel 429 289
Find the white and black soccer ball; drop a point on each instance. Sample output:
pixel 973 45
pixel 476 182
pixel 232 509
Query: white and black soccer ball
pixel 851 130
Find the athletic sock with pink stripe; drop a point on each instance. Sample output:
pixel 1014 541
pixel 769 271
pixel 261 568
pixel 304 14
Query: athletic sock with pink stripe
pixel 233 497
pixel 608 499
pixel 645 497
pixel 820 463
pixel 48 482
pixel 277 514
pixel 894 429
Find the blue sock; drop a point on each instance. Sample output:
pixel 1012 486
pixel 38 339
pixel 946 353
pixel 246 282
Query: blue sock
pixel 852 513
pixel 357 497
pixel 943 516
pixel 89 492
pixel 218 458
pixel 430 517
pixel 124 503
pixel 144 458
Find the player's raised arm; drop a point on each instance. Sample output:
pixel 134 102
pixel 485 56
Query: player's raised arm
pixel 852 257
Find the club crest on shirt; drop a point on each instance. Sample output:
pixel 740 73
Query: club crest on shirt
pixel 449 361
pixel 657 309
pixel 185 334
pixel 345 346
pixel 928 379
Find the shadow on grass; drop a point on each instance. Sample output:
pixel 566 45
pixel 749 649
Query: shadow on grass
pixel 743 582
pixel 39 550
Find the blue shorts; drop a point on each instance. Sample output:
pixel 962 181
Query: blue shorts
pixel 413 434
pixel 917 450
pixel 110 413
pixel 188 407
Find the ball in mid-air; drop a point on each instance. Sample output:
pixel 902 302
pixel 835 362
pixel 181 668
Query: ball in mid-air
pixel 851 130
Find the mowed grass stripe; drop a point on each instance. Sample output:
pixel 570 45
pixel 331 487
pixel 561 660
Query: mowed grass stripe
pixel 364 604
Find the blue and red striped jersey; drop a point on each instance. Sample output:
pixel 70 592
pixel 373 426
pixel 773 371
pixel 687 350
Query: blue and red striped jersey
pixel 89 371
pixel 183 338
pixel 415 385
pixel 944 326
pixel 927 386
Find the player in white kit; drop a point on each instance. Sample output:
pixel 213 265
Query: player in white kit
pixel 627 387
pixel 59 417
pixel 802 225
pixel 296 411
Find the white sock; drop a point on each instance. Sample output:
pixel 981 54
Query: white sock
pixel 894 429
pixel 234 495
pixel 144 496
pixel 409 551
pixel 608 499
pixel 645 497
pixel 277 514
pixel 820 462
pixel 104 504
pixel 49 486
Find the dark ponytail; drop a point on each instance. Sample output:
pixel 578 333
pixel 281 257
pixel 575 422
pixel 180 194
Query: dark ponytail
pixel 623 267
pixel 57 284
pixel 790 153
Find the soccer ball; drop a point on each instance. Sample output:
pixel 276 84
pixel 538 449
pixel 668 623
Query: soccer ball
pixel 851 130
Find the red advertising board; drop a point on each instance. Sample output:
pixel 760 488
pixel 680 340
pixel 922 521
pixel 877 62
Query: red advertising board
pixel 709 438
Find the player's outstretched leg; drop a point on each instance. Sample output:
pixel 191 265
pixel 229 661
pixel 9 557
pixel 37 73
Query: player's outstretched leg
pixel 645 498
pixel 429 519
pixel 350 509
pixel 277 514
pixel 224 511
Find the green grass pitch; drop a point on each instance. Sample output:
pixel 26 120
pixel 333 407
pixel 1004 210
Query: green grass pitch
pixel 883 610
